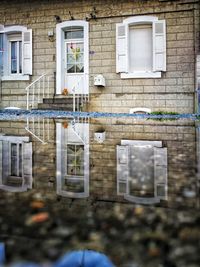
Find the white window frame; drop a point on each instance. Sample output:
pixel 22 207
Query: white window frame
pixel 9 33
pixel 139 20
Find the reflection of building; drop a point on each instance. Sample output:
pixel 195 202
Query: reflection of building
pixel 142 171
pixel 16 163
pixel 72 159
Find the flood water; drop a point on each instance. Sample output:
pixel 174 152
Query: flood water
pixel 126 187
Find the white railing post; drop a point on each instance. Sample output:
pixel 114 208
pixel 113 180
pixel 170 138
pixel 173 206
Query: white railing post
pixel 27 99
pixel 48 86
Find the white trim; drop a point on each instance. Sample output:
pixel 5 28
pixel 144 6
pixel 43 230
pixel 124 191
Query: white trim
pixel 140 20
pixel 136 110
pixel 59 50
pixel 16 77
pixel 141 143
pixel 14 139
pixel 14 29
pixel 141 75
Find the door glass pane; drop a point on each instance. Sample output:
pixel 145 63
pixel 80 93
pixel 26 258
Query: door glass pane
pixel 74 33
pixel 79 68
pixel 70 68
pixel 13 57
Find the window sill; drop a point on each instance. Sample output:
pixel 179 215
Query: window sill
pixel 15 78
pixel 141 75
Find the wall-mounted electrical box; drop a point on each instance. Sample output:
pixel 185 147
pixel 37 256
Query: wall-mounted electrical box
pixel 99 136
pixel 99 80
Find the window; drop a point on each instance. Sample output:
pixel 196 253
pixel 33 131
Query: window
pixel 141 47
pixel 74 44
pixel 15 53
pixel 139 182
pixel 16 162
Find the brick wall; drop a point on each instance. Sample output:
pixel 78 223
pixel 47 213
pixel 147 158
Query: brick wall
pixel 173 92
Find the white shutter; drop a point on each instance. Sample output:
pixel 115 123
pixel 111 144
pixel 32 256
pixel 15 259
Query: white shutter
pixel 121 47
pixel 160 172
pixel 27 164
pixel 1 163
pixel 159 45
pixel 122 169
pixel 27 52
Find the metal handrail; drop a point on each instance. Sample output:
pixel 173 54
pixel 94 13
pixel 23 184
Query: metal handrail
pixel 38 90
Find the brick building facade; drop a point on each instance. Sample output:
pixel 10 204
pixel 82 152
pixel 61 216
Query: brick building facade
pixel 172 90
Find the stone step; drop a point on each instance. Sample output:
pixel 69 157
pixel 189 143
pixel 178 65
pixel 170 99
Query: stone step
pixel 66 100
pixel 67 107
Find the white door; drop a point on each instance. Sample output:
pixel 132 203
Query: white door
pixel 74 69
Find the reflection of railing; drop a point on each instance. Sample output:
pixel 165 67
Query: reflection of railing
pixel 39 128
pixel 37 90
pixel 80 97
pixel 80 134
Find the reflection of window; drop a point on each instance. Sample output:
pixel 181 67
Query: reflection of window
pixel 74 50
pixel 141 47
pixel 16 159
pixel 16 162
pixel 15 53
pixel 142 171
pixel 75 160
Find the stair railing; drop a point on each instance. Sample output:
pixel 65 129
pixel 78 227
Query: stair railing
pixel 39 128
pixel 37 90
pixel 74 122
pixel 80 98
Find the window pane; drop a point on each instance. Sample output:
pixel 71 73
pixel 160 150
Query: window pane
pixel 80 67
pixel 70 68
pixel 20 57
pixel 13 57
pixel 14 159
pixel 20 160
pixel 140 48
pixel 1 54
pixel 74 33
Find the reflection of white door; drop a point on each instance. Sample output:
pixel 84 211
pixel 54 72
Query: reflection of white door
pixel 73 160
pixel 72 57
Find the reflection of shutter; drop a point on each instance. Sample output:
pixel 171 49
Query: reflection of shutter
pixel 27 52
pixel 159 46
pixel 160 172
pixel 1 158
pixel 122 169
pixel 121 48
pixel 6 159
pixel 27 164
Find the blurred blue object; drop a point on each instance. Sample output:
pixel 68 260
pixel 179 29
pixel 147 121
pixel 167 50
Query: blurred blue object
pixel 25 264
pixel 2 253
pixel 84 258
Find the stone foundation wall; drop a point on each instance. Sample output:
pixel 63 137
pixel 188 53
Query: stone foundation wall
pixel 173 92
